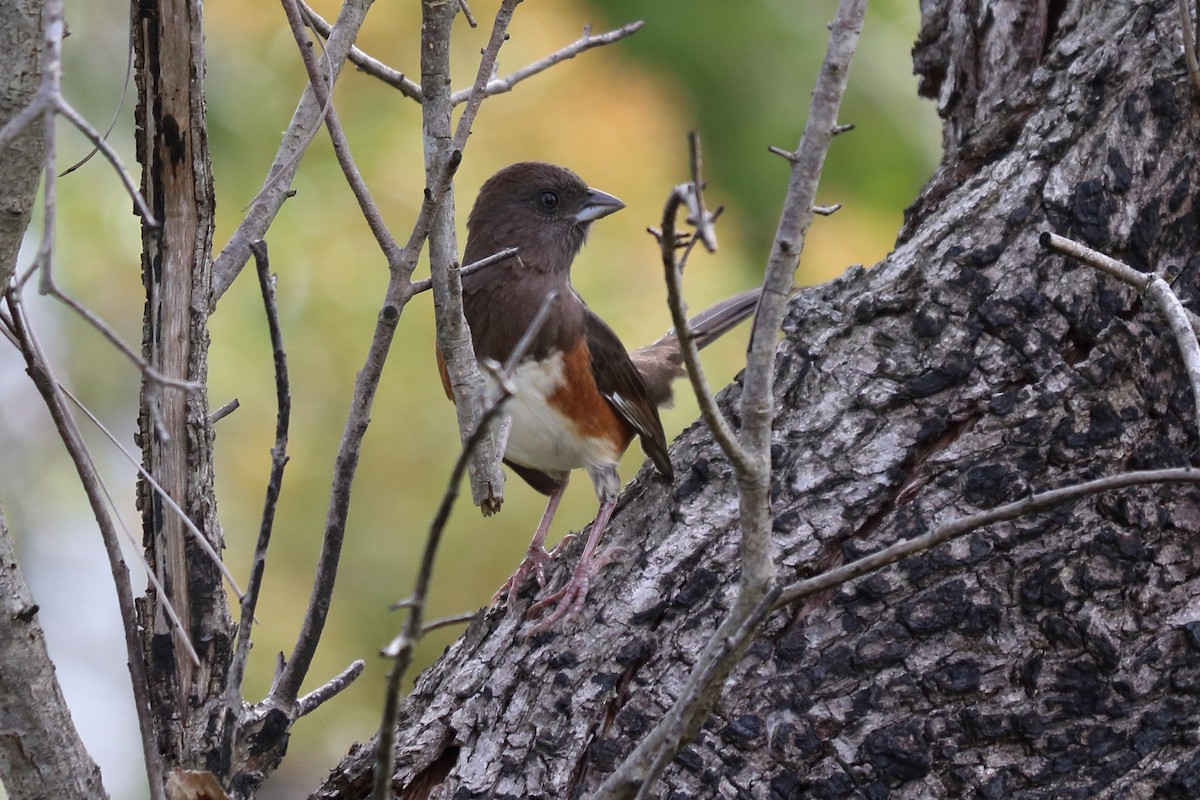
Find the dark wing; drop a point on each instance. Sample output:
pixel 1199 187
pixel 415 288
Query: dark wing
pixel 621 385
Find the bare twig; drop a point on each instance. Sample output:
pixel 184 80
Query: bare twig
pixel 99 142
pixel 955 528
pixel 466 10
pixel 279 459
pixel 200 539
pixel 446 622
pixel 638 773
pixel 6 327
pixel 224 411
pixel 364 62
pixel 116 112
pixel 1189 43
pixel 323 694
pixel 50 287
pixel 585 42
pixel 453 335
pixel 722 433
pixel 827 211
pixel 401 648
pixel 699 216
pixel 396 297
pixel 1118 269
pixel 322 87
pixel 1183 323
pixel 307 116
pixel 47 386
pixel 425 284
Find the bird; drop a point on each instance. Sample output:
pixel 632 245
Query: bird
pixel 580 397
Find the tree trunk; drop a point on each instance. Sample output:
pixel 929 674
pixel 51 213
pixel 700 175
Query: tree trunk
pixel 1057 655
pixel 174 428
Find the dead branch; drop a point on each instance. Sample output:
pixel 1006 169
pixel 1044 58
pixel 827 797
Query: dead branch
pixel 640 770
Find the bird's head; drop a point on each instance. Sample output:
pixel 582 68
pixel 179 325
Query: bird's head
pixel 543 209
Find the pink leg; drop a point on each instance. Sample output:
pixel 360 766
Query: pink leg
pixel 568 600
pixel 535 556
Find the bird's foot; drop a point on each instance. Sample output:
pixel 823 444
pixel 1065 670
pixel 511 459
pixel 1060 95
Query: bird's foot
pixel 568 601
pixel 534 561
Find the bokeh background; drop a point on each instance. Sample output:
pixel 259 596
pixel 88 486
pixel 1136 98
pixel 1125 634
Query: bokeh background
pixel 739 73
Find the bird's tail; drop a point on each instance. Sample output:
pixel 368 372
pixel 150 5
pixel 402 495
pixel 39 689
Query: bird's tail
pixel 661 363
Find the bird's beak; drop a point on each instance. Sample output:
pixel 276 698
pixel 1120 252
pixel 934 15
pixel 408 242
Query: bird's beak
pixel 597 204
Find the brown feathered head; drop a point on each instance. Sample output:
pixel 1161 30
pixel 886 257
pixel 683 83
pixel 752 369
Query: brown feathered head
pixel 544 209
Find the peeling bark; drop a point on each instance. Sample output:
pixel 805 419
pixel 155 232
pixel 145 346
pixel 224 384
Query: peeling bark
pixel 174 429
pixel 1057 655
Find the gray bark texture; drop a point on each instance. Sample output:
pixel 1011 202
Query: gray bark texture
pixel 41 754
pixel 1054 656
pixel 21 162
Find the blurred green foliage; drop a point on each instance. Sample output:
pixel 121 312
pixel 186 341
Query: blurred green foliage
pixel 739 73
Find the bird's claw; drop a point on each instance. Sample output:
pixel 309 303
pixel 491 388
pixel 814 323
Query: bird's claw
pixel 534 561
pixel 568 601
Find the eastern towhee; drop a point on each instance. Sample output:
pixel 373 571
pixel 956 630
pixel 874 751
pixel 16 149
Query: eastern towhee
pixel 581 397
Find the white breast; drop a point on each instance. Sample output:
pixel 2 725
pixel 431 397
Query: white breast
pixel 540 436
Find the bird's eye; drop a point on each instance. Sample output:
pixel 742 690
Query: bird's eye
pixel 548 200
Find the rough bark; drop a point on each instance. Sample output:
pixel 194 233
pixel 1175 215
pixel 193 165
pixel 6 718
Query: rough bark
pixel 175 433
pixel 41 755
pixel 21 163
pixel 1058 655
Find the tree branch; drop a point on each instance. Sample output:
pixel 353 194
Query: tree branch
pixel 453 334
pixel 279 459
pixel 958 527
pixel 642 768
pixel 308 114
pixel 47 386
pixel 584 43
pixel 41 754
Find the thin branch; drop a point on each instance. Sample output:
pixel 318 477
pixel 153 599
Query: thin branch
pixel 164 496
pixel 287 168
pixel 1183 323
pixel 401 648
pixel 98 141
pixel 50 287
pixel 582 44
pixel 331 689
pixel 466 10
pixel 699 216
pixel 717 424
pixel 308 114
pixel 450 621
pixel 35 109
pixel 6 327
pixel 224 411
pixel 47 386
pixel 1189 43
pixel 958 527
pixel 365 62
pixel 346 462
pixel 425 284
pixel 1185 336
pixel 322 87
pixel 638 773
pixel 441 148
pixel 116 112
pixel 279 459
pixel 1118 269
